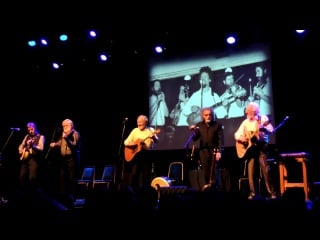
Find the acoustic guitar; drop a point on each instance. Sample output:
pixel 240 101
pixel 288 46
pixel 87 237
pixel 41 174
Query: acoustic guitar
pixel 25 154
pixel 227 99
pixel 132 150
pixel 242 147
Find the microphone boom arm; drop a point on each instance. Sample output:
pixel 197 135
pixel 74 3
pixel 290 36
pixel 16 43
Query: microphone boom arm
pixel 281 124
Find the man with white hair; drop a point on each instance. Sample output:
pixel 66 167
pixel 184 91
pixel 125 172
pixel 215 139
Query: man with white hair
pixel 140 140
pixel 252 145
pixel 69 146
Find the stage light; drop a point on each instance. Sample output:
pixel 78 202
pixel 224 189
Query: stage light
pixel 32 43
pixel 103 57
pixel 92 34
pixel 55 65
pixel 44 42
pixel 63 37
pixel 159 49
pixel 231 39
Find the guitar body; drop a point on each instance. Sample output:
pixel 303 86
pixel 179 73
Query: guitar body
pixel 24 154
pixel 195 116
pixel 131 151
pixel 175 114
pixel 242 148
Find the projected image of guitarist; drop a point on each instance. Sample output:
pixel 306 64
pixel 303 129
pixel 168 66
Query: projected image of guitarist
pixel 205 96
pixel 252 138
pixel 141 139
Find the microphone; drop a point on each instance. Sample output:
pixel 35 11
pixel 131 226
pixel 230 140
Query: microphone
pixel 194 128
pixel 124 121
pixel 15 129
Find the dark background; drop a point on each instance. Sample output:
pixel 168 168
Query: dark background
pixel 97 97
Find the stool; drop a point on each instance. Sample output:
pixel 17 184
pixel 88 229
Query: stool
pixel 300 157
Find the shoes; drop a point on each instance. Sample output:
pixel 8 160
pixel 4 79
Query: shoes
pixel 251 196
pixel 273 196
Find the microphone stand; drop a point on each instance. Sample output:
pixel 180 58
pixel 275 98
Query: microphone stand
pixel 119 151
pixel 5 145
pixel 280 124
pixel 189 157
pixel 52 139
pixel 201 103
pixel 2 200
pixel 155 127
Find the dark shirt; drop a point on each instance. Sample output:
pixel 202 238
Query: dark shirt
pixel 210 135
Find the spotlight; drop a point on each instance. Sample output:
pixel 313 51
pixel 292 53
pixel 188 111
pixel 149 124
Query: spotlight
pixel 32 43
pixel 92 34
pixel 63 37
pixel 159 49
pixel 44 41
pixel 231 39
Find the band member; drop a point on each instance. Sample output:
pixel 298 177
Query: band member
pixel 252 139
pixel 30 151
pixel 141 139
pixel 69 146
pixel 210 133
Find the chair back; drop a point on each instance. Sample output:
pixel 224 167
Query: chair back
pixel 176 172
pixel 109 174
pixel 87 177
pixel 88 173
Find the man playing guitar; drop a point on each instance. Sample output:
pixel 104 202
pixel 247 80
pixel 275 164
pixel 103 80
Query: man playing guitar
pixel 251 144
pixel 30 150
pixel 140 139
